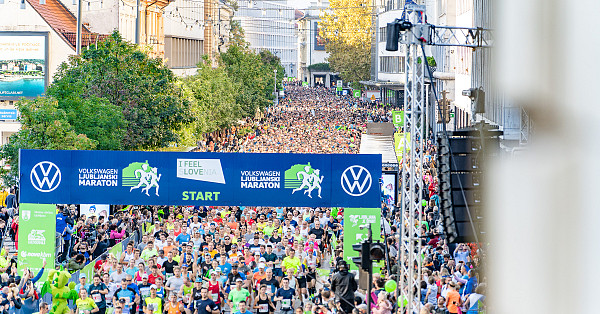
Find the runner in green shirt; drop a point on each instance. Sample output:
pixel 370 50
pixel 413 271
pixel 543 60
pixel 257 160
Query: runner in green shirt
pixel 237 294
pixel 291 262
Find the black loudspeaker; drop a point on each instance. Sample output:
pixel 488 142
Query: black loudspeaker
pixel 393 36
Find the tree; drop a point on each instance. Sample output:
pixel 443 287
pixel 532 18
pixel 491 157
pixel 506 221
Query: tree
pixel 142 88
pixel 237 35
pixel 346 28
pixel 254 76
pixel 213 97
pixel 43 126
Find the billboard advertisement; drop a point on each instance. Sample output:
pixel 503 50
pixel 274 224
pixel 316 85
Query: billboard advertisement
pixel 94 210
pixel 319 41
pixel 388 188
pixel 23 64
pixel 173 178
pixel 37 234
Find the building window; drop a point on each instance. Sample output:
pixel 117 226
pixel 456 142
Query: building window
pixel 183 52
pixel 382 34
pixel 392 64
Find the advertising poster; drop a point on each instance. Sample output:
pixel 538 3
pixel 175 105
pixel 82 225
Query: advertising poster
pixel 22 64
pixel 37 234
pixel 319 41
pixel 388 188
pixel 94 210
pixel 209 179
pixel 353 219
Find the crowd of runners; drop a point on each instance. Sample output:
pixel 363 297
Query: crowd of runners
pixel 260 260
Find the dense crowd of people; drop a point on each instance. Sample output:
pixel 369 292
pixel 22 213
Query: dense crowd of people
pixel 262 260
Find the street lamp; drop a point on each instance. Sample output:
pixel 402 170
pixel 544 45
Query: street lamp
pixel 276 101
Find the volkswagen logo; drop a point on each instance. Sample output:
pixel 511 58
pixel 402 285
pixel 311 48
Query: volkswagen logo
pixel 45 176
pixel 356 180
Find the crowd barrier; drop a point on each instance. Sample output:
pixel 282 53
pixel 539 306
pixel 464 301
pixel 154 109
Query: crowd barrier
pixel 88 270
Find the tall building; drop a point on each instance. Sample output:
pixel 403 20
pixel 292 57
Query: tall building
pixel 271 26
pixel 218 15
pixel 388 74
pixel 313 67
pixel 143 23
pixel 184 35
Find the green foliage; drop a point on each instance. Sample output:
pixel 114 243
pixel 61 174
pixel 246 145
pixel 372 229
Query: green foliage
pixel 44 126
pixel 256 78
pixel 430 61
pixel 118 75
pixel 319 67
pixel 237 35
pixel 213 97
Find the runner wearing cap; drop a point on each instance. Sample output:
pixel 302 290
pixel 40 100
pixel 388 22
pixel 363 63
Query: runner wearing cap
pixel 215 289
pixel 153 301
pixel 237 294
pixel 144 288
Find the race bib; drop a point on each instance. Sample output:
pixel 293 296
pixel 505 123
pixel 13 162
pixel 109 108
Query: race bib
pixel 97 297
pixel 270 289
pixel 167 276
pixel 263 308
pixel 214 296
pixel 285 304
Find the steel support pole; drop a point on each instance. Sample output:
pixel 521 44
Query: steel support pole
pixel 137 22
pixel 78 44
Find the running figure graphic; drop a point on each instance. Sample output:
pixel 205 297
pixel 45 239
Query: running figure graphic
pixel 310 181
pixel 148 179
pixel 316 183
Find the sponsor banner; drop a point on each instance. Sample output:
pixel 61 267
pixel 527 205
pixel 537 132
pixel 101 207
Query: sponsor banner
pixel 94 210
pixel 173 178
pixel 353 219
pixel 37 234
pixel 356 93
pixel 23 65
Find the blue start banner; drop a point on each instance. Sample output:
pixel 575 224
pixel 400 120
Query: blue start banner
pixel 165 178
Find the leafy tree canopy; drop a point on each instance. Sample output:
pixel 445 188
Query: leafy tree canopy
pixel 118 76
pixel 44 126
pixel 347 31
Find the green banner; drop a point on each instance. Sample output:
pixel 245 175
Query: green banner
pixel 399 139
pixel 304 83
pixel 390 93
pixel 338 88
pixel 353 219
pixel 356 93
pixel 398 118
pixel 37 234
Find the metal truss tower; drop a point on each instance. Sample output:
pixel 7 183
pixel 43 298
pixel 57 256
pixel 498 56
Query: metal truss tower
pixel 418 34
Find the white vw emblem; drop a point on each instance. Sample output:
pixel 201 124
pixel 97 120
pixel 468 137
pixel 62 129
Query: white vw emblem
pixel 45 176
pixel 356 180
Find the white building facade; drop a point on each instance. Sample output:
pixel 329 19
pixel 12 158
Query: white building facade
pixel 311 48
pixel 271 26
